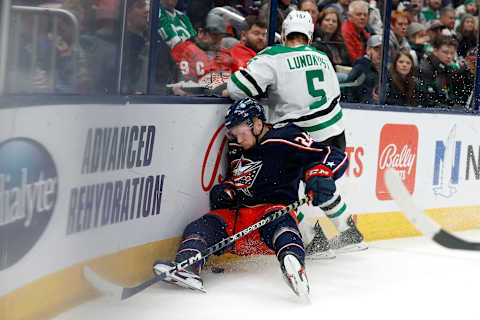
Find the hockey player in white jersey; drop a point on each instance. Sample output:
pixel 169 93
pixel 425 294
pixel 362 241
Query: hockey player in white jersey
pixel 302 88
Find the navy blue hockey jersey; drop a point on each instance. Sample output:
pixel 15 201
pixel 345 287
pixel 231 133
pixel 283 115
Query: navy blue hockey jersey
pixel 270 172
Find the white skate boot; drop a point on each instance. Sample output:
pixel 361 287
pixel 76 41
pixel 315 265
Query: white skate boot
pixel 294 274
pixel 183 278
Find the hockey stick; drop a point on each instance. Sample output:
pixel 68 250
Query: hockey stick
pixel 357 82
pixel 123 293
pixel 419 219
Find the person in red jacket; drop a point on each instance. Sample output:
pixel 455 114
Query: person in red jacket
pixel 202 55
pixel 353 29
pixel 252 41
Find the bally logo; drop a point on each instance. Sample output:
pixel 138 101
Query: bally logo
pixel 398 150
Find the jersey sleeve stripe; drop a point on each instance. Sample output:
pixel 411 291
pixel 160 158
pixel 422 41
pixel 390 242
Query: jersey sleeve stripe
pixel 292 144
pixel 328 153
pixel 317 114
pixel 252 81
pixel 325 124
pixel 240 85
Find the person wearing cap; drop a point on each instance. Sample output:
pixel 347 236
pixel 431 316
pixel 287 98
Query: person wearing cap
pixel 434 29
pixel 354 31
pixel 201 55
pixel 432 10
pixel 412 9
pixel 302 88
pixel 436 76
pixel 174 27
pixel 469 6
pixel 418 38
pixel 398 32
pixel 366 67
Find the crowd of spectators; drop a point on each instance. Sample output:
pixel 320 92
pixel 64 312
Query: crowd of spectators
pixel 431 59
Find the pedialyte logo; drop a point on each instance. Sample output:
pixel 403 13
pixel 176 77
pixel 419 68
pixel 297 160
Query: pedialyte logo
pixel 28 194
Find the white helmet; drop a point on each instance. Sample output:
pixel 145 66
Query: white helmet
pixel 298 21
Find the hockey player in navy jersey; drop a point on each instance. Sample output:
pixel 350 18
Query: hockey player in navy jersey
pixel 302 88
pixel 267 164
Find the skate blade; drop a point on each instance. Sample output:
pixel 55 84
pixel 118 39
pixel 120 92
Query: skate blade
pixel 324 255
pixel 298 284
pixel 362 246
pixel 163 271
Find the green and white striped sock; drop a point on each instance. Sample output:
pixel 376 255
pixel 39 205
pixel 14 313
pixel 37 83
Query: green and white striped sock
pixel 336 210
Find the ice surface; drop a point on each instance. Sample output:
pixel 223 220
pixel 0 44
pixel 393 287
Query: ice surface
pixel 411 278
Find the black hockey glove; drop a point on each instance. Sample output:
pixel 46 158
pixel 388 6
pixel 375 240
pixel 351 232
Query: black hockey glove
pixel 319 184
pixel 222 196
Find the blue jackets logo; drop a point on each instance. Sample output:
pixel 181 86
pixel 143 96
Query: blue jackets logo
pixel 28 194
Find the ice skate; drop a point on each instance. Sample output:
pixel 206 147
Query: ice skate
pixel 294 274
pixel 319 247
pixel 349 240
pixel 183 278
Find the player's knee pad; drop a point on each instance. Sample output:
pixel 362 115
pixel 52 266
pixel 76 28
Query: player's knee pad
pixel 203 233
pixel 274 233
pixel 209 227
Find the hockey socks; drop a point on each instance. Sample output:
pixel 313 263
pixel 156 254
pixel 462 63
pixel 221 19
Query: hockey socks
pixel 335 209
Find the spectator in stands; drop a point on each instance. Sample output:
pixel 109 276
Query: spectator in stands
pixel 134 70
pixel 174 27
pixel 341 6
pixel 470 7
pixel 311 7
pixel 252 40
pixel 434 29
pixel 465 82
pixel 467 35
pixel 432 11
pixel 375 23
pixel 330 39
pixel 398 32
pixel 401 81
pixel 366 68
pixel 418 39
pixel 447 18
pixel 199 56
pixel 412 9
pixel 353 30
pixel 436 76
pixel 284 7
pixel 101 47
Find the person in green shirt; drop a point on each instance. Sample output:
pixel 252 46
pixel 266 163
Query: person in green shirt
pixel 174 27
pixel 432 11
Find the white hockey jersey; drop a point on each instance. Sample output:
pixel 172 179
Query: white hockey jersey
pixel 301 85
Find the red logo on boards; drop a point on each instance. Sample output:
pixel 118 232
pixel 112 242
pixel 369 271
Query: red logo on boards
pixel 398 150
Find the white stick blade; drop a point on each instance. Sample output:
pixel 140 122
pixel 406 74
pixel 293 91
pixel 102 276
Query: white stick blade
pixel 405 202
pixel 109 289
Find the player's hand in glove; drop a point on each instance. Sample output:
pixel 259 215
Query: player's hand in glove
pixel 222 196
pixel 319 184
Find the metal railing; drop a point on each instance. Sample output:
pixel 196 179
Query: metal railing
pixel 19 13
pixel 5 18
